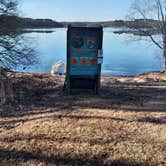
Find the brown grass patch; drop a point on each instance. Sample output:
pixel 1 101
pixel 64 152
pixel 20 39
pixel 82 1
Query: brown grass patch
pixel 124 125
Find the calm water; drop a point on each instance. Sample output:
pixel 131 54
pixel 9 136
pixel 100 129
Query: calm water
pixel 120 57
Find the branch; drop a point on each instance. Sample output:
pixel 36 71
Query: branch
pixel 141 10
pixel 151 37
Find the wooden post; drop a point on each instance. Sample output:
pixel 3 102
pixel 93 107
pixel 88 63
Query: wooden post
pixel 5 88
pixel 2 88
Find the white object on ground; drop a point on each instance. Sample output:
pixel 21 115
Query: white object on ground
pixel 58 68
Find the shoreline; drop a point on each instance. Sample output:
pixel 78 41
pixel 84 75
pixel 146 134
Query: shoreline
pixel 159 74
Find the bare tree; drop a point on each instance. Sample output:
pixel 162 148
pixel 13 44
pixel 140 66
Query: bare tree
pixel 8 7
pixel 15 49
pixel 152 17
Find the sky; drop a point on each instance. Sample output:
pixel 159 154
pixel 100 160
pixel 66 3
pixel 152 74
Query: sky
pixel 76 10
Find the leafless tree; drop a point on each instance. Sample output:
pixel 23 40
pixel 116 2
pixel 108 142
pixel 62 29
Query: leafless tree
pixel 8 7
pixel 16 51
pixel 152 17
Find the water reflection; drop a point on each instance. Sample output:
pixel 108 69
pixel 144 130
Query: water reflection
pixel 120 57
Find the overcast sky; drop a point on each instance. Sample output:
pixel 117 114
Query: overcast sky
pixel 76 10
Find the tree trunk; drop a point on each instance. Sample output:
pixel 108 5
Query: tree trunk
pixel 3 98
pixel 2 88
pixel 164 53
pixel 6 93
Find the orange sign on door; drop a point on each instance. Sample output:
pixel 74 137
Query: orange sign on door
pixel 93 61
pixel 84 61
pixel 74 61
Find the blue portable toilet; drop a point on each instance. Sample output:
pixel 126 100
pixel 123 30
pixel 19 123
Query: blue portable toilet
pixel 84 58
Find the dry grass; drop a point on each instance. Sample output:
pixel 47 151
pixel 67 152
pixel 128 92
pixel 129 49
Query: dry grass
pixel 124 125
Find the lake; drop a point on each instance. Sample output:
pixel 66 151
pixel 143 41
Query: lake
pixel 121 56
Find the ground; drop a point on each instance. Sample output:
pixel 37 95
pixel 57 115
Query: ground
pixel 124 125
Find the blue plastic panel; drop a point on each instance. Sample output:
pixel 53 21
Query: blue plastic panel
pixel 84 50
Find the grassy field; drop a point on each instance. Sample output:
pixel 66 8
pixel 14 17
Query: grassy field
pixel 124 125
